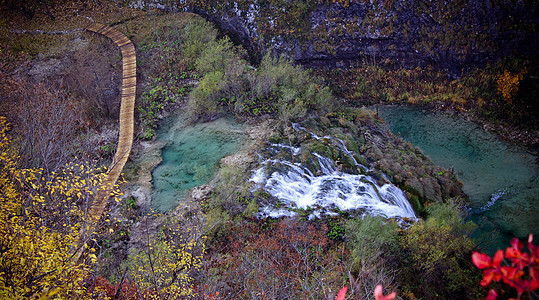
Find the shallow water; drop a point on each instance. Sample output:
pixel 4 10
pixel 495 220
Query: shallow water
pixel 190 156
pixel 500 178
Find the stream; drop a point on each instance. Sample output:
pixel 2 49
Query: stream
pixel 323 188
pixel 499 178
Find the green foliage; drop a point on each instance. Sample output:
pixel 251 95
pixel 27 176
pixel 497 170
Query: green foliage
pixel 373 256
pixel 224 84
pixel 437 264
pixel 292 87
pixel 371 237
pixel 170 54
pixel 251 209
pixel 277 86
pixel 147 134
pixel 216 56
pixel 336 230
pixel 230 200
pixel 109 149
pixel 204 99
pixel 199 34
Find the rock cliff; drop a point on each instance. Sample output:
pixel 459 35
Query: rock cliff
pixel 450 35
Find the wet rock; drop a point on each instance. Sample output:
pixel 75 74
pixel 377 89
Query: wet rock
pixel 401 33
pixel 375 146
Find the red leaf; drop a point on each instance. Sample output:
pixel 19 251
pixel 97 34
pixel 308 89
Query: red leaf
pixel 481 260
pixel 342 293
pixel 534 283
pixel 511 273
pixel 378 295
pixel 489 275
pixel 491 295
pixel 516 244
pixel 512 253
pixel 498 258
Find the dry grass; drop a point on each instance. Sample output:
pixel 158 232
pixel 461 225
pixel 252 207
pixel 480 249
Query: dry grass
pixel 67 16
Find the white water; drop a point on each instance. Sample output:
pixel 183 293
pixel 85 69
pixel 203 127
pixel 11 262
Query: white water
pixel 297 187
pixel 340 143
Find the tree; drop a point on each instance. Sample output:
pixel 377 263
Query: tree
pixel 40 227
pixel 49 126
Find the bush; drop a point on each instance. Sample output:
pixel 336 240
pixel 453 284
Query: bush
pixel 294 88
pixel 437 255
pixel 373 244
pixel 204 99
pixel 228 90
pixel 275 260
pixel 197 35
pixel 217 56
pixel 164 266
pixel 277 86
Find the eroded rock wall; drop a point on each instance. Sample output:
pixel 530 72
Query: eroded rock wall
pixel 451 35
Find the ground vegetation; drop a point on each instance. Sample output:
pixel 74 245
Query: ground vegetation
pixel 218 249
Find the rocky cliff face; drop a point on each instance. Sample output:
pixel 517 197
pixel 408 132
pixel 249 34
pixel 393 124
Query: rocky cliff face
pixel 451 35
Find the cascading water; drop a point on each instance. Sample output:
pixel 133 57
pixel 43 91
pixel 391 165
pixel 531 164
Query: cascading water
pixel 340 143
pixel 326 189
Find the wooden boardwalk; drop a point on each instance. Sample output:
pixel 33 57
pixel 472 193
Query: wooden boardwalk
pixel 125 140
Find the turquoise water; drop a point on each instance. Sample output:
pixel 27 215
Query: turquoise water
pixel 500 178
pixel 190 156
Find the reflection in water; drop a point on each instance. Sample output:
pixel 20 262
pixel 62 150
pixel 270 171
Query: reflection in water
pixel 499 178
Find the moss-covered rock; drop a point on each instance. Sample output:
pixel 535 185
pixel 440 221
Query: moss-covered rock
pixel 451 35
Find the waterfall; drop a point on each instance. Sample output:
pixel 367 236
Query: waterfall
pixel 340 143
pixel 327 190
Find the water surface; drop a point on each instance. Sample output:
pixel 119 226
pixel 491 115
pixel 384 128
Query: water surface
pixel 191 155
pixel 500 178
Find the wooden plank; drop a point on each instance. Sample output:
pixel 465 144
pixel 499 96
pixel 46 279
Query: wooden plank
pixel 125 139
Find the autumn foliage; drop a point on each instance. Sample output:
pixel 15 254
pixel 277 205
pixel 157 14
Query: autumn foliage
pixel 507 84
pixel 520 270
pixel 275 260
pixel 39 230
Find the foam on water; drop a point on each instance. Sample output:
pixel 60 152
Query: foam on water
pixel 297 187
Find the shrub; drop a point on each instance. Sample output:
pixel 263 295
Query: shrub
pixel 164 266
pixel 41 226
pixel 216 56
pixel 197 35
pixel 293 87
pixel 507 85
pixel 436 263
pixel 204 99
pixel 277 86
pixel 275 260
pixel 373 247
